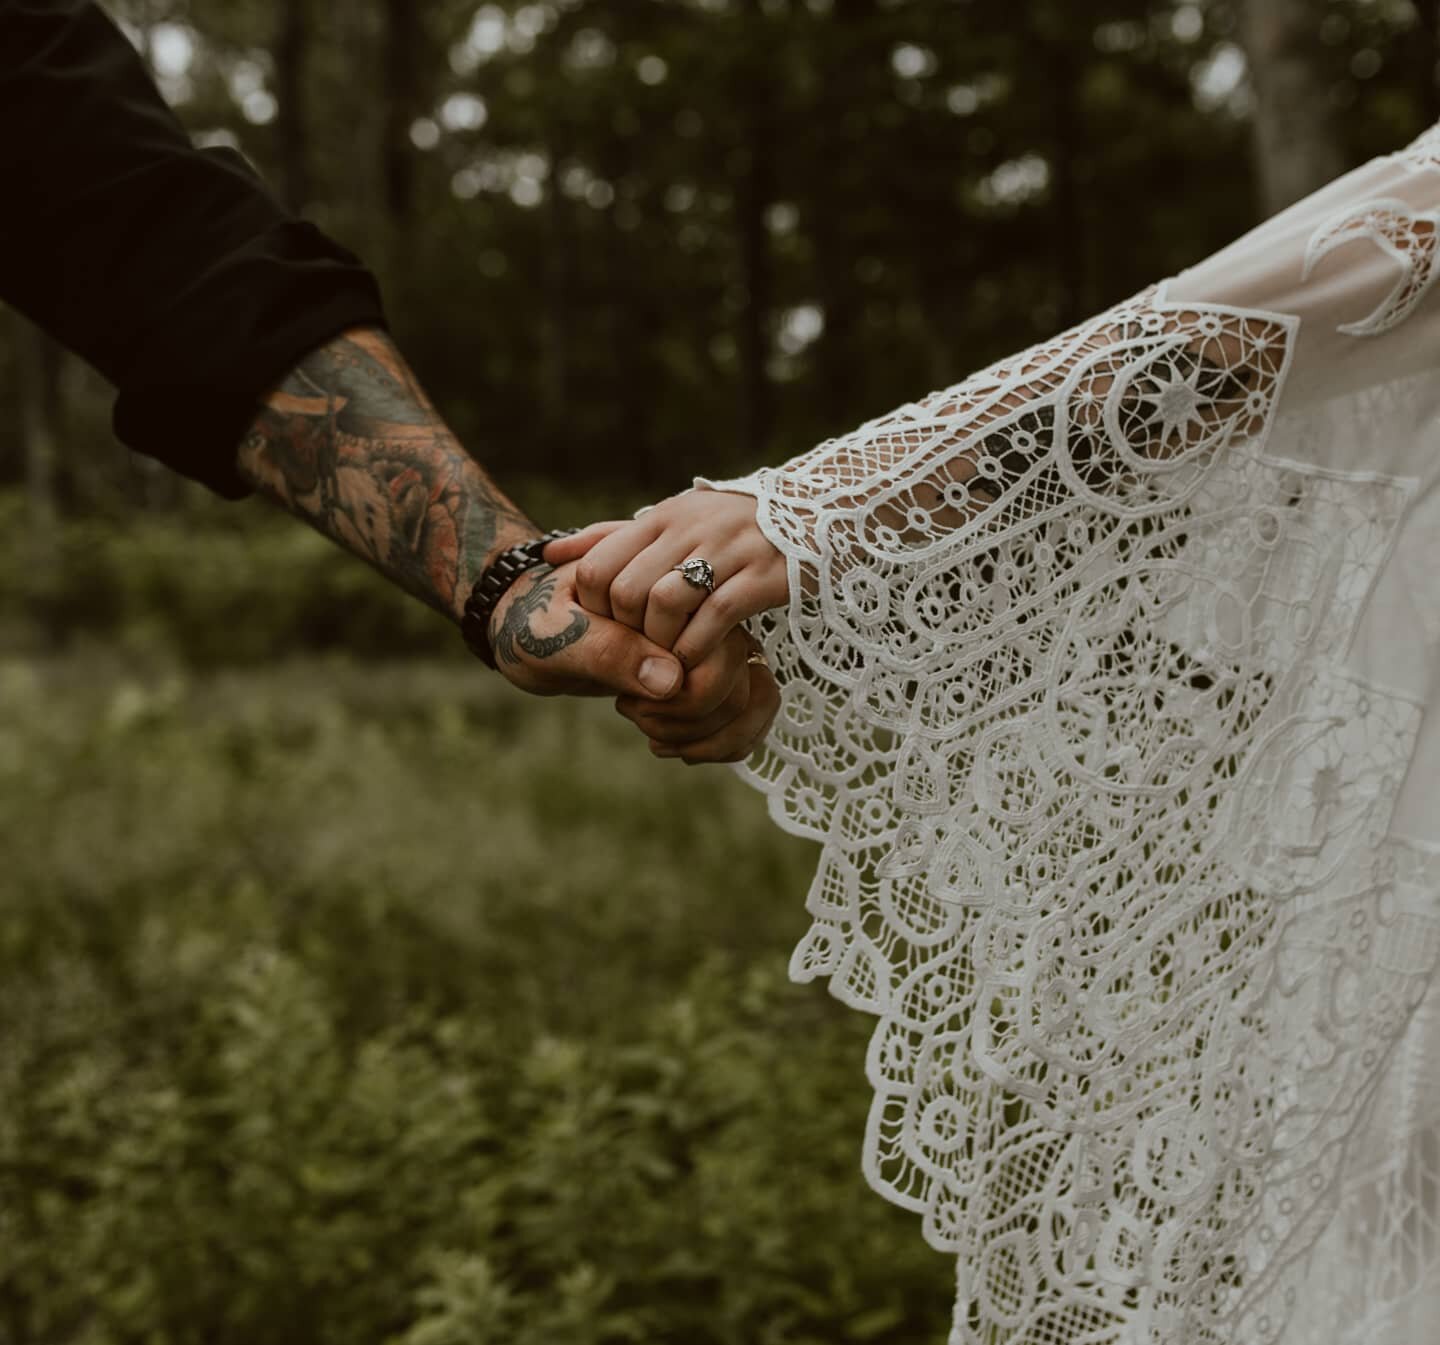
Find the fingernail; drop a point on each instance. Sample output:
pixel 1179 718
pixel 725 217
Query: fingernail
pixel 659 676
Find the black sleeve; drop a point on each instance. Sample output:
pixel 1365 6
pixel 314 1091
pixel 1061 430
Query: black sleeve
pixel 168 268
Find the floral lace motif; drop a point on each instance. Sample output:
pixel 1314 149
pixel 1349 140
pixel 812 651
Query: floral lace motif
pixel 1407 235
pixel 1103 822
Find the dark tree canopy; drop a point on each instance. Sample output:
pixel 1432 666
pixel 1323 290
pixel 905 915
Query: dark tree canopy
pixel 629 240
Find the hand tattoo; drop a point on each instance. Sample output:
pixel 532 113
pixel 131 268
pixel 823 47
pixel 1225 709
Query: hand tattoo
pixel 515 628
pixel 351 443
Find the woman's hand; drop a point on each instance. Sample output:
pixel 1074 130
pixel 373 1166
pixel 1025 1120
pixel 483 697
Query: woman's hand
pixel 627 570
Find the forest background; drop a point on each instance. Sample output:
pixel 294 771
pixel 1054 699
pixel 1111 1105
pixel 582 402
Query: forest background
pixel 346 996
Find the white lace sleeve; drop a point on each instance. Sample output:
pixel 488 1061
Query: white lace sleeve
pixel 1104 691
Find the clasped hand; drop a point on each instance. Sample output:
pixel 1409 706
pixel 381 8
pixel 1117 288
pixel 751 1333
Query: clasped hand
pixel 615 615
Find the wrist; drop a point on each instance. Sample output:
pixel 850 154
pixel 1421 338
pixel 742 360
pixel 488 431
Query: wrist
pixel 486 596
pixel 477 565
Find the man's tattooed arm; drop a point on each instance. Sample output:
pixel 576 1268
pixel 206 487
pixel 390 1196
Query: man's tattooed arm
pixel 351 444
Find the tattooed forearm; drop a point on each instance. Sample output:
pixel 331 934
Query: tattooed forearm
pixel 351 443
pixel 514 630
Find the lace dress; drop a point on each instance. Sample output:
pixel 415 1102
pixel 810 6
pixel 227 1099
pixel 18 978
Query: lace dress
pixel 1111 692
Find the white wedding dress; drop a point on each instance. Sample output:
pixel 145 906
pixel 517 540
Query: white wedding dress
pixel 1111 692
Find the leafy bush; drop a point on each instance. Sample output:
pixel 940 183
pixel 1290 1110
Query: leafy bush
pixel 220 584
pixel 352 1004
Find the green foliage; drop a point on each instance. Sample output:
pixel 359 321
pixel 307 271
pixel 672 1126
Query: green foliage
pixel 377 1003
pixel 216 585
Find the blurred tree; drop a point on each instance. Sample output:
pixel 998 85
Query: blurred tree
pixel 754 195
pixel 292 63
pixel 1061 51
pixel 627 241
pixel 37 376
pixel 847 54
pixel 1427 15
pixel 559 271
pixel 1295 148
pixel 401 44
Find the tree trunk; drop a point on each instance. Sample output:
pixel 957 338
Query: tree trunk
pixel 559 266
pixel 555 357
pixel 292 51
pixel 38 366
pixel 400 106
pixel 349 177
pixel 753 198
pixel 1295 147
pixel 846 58
pixel 1428 13
pixel 1068 205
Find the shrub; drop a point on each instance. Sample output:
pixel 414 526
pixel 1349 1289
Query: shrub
pixel 373 1003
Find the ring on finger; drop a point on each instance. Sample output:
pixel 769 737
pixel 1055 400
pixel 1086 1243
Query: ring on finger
pixel 698 572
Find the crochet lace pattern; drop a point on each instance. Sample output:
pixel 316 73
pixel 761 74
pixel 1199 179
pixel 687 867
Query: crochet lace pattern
pixel 1105 825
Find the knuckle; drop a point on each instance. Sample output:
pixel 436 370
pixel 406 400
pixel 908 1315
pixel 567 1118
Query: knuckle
pixel 724 604
pixel 627 596
pixel 668 599
pixel 590 574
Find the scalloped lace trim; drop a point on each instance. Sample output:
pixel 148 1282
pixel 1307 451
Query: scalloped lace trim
pixel 1105 838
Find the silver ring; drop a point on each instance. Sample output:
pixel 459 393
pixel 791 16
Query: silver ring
pixel 698 573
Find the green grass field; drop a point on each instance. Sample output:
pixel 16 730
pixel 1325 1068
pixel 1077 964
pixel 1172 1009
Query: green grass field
pixel 351 1001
